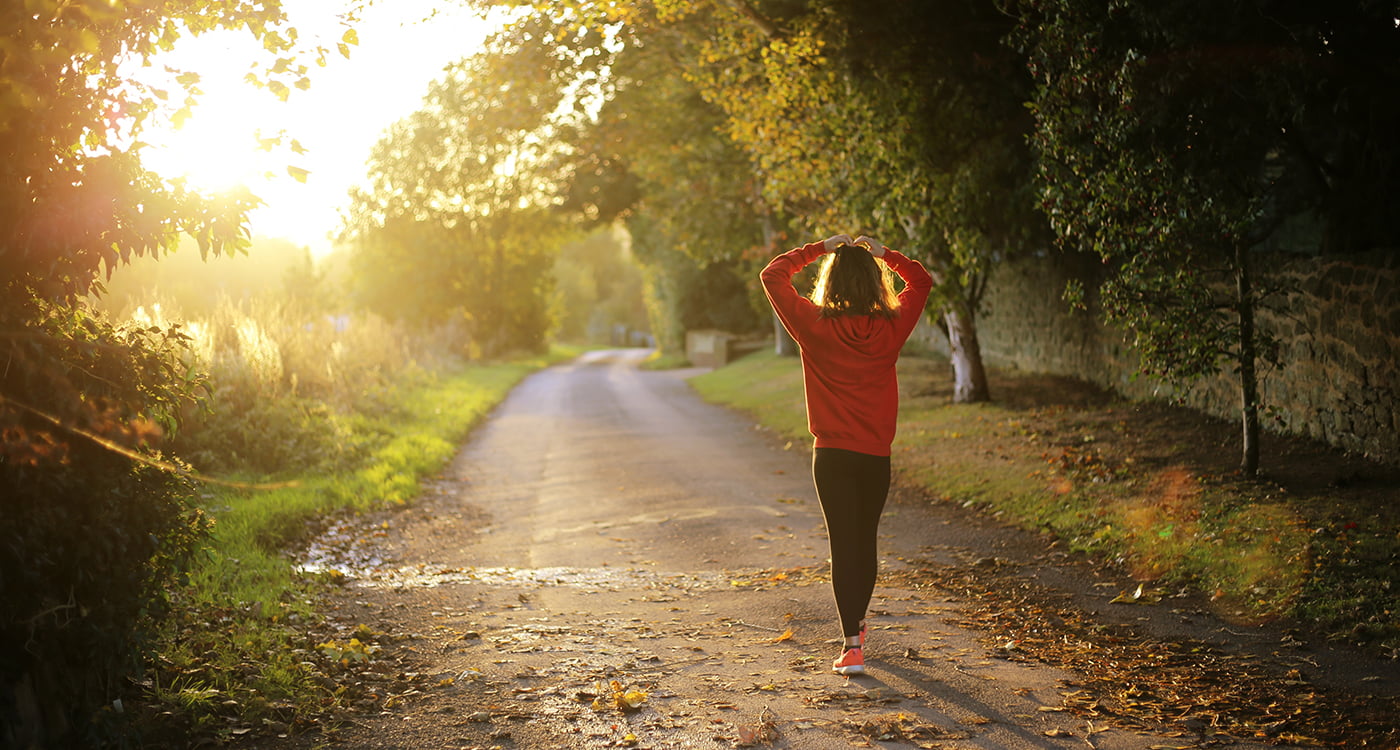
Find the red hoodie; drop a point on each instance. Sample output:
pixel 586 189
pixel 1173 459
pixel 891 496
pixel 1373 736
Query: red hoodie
pixel 848 361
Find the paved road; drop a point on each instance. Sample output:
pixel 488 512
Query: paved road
pixel 607 525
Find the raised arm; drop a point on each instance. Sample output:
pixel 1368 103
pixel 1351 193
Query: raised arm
pixel 918 283
pixel 794 310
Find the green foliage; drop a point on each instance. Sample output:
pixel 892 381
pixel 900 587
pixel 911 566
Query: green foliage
pixel 87 536
pixel 90 536
pixel 682 295
pixel 288 390
pixel 1150 167
pixel 71 145
pixel 1174 139
pixel 86 549
pixel 727 121
pixel 650 156
pixel 598 288
pixel 459 224
pixel 71 373
pixel 901 120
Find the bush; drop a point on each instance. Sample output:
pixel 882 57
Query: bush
pixel 90 529
pixel 291 391
pixel 86 549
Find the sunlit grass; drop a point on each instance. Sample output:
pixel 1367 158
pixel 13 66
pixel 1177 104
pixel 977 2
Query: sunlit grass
pixel 764 385
pixel 658 361
pixel 1253 556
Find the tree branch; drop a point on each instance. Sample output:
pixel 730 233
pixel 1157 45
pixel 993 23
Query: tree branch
pixel 763 23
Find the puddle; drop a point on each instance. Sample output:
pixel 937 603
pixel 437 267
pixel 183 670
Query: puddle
pixel 603 578
pixel 349 550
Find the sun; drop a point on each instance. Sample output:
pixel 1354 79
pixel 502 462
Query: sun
pixel 236 134
pixel 241 135
pixel 214 153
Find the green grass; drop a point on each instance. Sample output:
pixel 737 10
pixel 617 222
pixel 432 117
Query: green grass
pixel 658 361
pixel 236 644
pixel 764 385
pixel 1256 554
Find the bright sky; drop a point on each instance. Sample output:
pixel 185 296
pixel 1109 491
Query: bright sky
pixel 349 104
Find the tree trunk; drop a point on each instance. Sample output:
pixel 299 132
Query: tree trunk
pixel 969 376
pixel 1248 356
pixel 783 344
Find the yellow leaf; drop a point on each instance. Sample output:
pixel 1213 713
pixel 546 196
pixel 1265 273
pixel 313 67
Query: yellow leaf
pixel 298 173
pixel 89 41
pixel 786 636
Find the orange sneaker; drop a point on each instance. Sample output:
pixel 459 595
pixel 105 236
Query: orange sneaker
pixel 852 661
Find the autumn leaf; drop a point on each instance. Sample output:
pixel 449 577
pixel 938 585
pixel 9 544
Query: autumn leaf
pixel 614 695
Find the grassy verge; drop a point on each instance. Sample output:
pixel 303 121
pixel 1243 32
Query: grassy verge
pixel 241 652
pixel 1148 487
pixel 658 361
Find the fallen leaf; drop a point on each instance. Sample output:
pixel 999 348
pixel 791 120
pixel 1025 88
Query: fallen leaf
pixel 1126 598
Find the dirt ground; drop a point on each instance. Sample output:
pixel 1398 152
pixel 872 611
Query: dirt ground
pixel 985 636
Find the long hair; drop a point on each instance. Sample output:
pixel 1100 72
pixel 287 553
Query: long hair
pixel 852 282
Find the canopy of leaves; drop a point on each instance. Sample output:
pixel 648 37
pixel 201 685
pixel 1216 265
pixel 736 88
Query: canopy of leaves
pixel 75 200
pixel 900 119
pixel 632 138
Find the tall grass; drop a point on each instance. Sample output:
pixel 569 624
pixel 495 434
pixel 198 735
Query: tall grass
pixel 289 389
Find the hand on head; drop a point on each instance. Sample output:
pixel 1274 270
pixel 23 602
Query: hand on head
pixel 871 244
pixel 837 240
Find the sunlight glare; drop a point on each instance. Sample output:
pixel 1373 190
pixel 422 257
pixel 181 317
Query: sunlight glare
pixel 218 148
pixel 240 135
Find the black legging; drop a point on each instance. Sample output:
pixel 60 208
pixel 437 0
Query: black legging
pixel 852 488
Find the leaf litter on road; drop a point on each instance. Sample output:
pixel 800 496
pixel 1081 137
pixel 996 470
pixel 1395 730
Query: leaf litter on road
pixel 1137 682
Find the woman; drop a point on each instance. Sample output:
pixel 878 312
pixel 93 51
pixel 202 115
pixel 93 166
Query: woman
pixel 850 333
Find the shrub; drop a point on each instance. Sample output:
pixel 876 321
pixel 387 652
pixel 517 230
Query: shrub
pixel 91 530
pixel 85 552
pixel 289 390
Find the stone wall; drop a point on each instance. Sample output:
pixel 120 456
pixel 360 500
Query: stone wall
pixel 1339 377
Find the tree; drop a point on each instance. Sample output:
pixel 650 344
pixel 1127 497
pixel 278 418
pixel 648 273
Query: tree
pixel 642 149
pixel 698 225
pixel 93 523
pixel 460 219
pixel 901 119
pixel 1176 138
pixel 598 289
